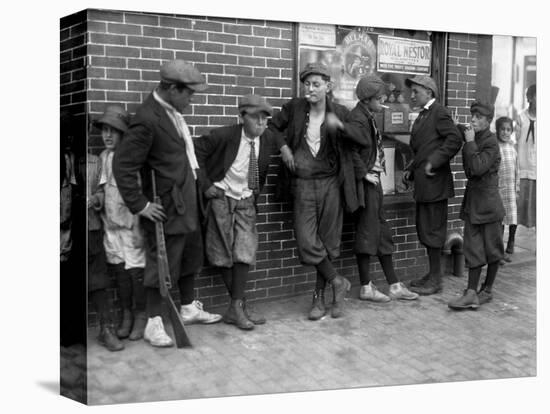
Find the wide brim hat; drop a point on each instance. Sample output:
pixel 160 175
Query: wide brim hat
pixel 252 104
pixel 423 80
pixel 116 117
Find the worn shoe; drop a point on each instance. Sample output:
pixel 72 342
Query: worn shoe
pixel 399 291
pixel 140 320
pixel 194 313
pixel 420 282
pixel 123 330
pixel 318 309
pixel 340 286
pixel 507 258
pixel 432 286
pixel 510 246
pixel 155 334
pixel 108 339
pixel 468 300
pixel 251 314
pixel 235 315
pixel 484 296
pixel 370 292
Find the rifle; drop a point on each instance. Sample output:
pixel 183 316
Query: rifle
pixel 165 282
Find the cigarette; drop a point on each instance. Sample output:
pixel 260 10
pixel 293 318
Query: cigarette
pixel 384 106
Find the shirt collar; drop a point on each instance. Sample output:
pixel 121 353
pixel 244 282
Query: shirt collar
pixel 163 103
pixel 430 102
pixel 243 136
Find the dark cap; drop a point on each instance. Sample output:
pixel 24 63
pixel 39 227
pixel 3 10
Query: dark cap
pixel 314 68
pixel 181 72
pixel 369 86
pixel 252 104
pixel 531 91
pixel 116 117
pixel 483 108
pixel 424 81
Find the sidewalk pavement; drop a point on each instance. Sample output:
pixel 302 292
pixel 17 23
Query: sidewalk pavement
pixel 373 345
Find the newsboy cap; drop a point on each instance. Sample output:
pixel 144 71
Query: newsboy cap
pixel 116 117
pixel 369 86
pixel 180 71
pixel 314 68
pixel 252 104
pixel 424 81
pixel 483 108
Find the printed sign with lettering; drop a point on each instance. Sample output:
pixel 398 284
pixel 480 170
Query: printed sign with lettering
pixel 401 55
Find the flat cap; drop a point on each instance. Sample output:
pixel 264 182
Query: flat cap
pixel 116 117
pixel 483 108
pixel 252 104
pixel 424 81
pixel 369 86
pixel 180 71
pixel 314 68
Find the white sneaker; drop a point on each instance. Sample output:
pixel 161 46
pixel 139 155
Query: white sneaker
pixel 370 292
pixel 155 334
pixel 399 291
pixel 194 313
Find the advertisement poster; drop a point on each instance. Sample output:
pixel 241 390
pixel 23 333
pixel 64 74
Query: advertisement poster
pixel 400 55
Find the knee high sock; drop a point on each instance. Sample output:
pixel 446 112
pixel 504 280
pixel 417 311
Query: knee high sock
pixel 387 265
pixel 320 282
pixel 186 285
pixel 153 302
pixel 101 303
pixel 434 255
pixel 124 282
pixel 326 269
pixel 492 270
pixel 227 277
pixel 240 274
pixel 473 277
pixel 512 232
pixel 363 263
pixel 137 274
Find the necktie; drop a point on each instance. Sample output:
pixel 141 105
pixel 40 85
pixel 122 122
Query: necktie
pixel 253 173
pixel 379 146
pixel 531 130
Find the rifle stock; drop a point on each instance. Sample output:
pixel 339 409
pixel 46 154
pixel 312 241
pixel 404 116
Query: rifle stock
pixel 165 281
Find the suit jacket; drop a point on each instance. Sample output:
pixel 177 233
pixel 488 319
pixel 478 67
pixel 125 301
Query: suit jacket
pixel 289 126
pixel 481 159
pixel 217 151
pixel 152 143
pixel 436 139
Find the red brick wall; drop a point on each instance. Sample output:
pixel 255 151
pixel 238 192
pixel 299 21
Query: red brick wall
pixel 125 50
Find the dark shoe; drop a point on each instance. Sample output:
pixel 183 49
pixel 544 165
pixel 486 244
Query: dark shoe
pixel 420 282
pixel 510 246
pixel 431 287
pixel 108 339
pixel 468 300
pixel 507 258
pixel 318 309
pixel 340 286
pixel 126 325
pixel 484 296
pixel 140 321
pixel 251 314
pixel 235 315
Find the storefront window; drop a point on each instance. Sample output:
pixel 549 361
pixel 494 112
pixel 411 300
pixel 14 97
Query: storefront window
pixel 392 54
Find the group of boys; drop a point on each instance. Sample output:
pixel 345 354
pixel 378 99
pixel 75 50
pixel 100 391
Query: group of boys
pixel 332 160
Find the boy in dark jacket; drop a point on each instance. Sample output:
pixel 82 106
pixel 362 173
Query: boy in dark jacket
pixel 233 164
pixel 482 209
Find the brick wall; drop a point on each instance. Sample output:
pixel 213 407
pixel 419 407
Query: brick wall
pixel 125 50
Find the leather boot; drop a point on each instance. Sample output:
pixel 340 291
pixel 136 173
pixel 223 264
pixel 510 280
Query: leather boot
pixel 432 286
pixel 108 339
pixel 252 316
pixel 126 324
pixel 140 321
pixel 421 281
pixel 235 315
pixel 468 300
pixel 318 309
pixel 340 286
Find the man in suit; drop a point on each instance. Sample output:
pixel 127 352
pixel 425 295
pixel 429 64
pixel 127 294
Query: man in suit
pixel 434 141
pixel 159 140
pixel 316 165
pixel 234 161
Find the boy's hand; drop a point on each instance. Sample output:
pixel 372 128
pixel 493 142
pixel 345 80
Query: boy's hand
pixel 372 178
pixel 213 192
pixel 154 212
pixel 469 133
pixel 333 122
pixel 288 158
pixel 428 169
